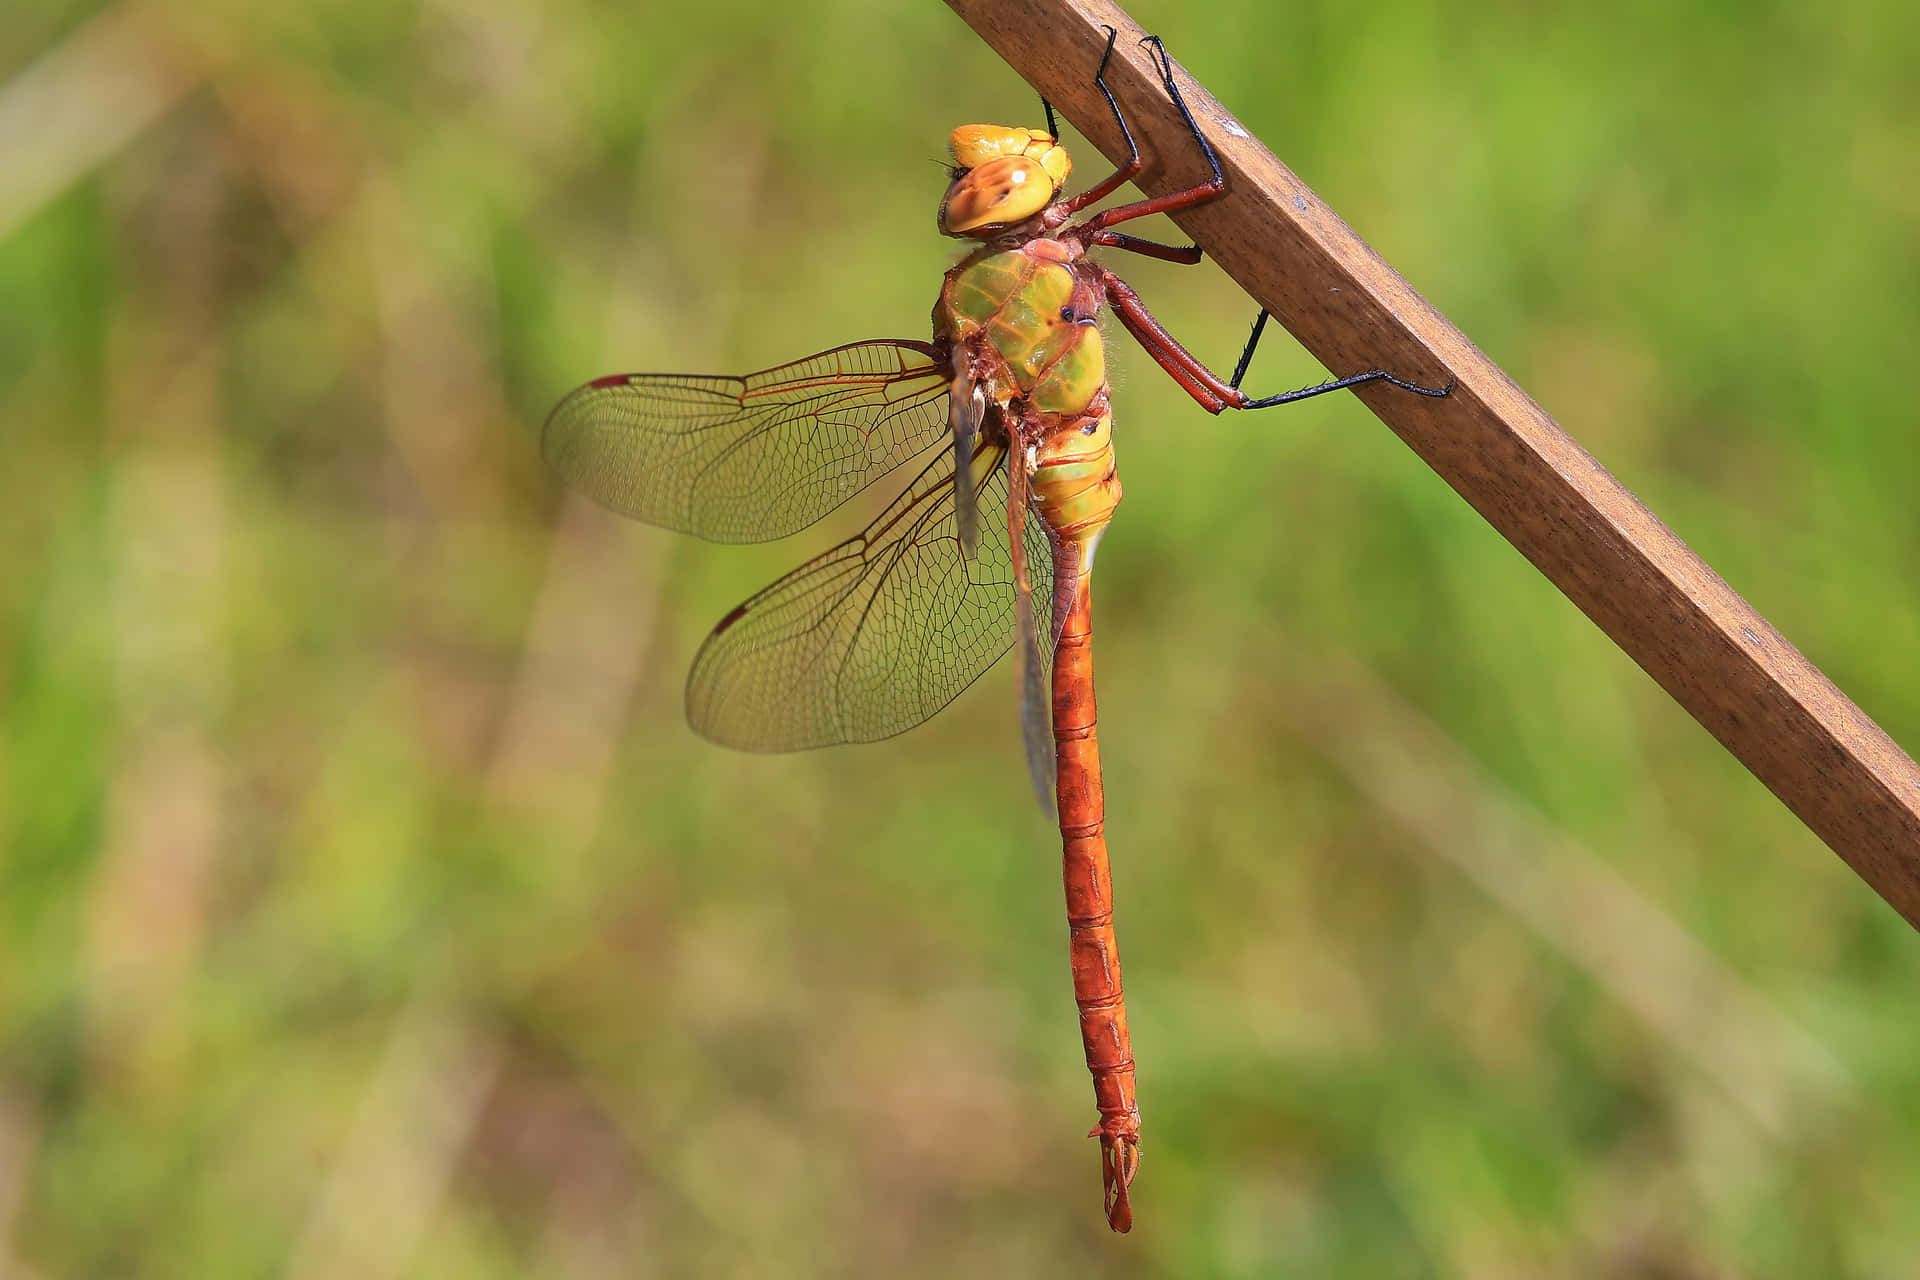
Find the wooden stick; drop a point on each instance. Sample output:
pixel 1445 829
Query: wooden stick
pixel 1671 613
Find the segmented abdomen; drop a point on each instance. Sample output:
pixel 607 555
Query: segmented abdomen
pixel 1075 483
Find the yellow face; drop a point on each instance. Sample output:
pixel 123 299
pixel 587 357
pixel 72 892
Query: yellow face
pixel 1002 176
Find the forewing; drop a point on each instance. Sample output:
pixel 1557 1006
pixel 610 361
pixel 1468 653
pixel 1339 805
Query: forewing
pixel 876 635
pixel 753 458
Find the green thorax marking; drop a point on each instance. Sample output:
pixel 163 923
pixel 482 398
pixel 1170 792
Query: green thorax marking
pixel 1014 300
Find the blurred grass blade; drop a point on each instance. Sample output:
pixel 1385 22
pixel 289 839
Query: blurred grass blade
pixel 1772 1068
pixel 81 103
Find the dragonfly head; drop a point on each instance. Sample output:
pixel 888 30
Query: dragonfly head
pixel 1000 176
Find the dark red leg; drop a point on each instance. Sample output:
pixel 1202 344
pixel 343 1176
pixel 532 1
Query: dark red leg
pixel 1125 173
pixel 1202 383
pixel 1176 200
pixel 1185 254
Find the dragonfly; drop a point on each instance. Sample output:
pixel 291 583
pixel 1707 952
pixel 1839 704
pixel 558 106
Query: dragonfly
pixel 989 547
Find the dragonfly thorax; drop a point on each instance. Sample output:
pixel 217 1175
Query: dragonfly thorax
pixel 1002 176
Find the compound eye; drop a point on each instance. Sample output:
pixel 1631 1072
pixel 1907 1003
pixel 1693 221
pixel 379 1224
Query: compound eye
pixel 1002 190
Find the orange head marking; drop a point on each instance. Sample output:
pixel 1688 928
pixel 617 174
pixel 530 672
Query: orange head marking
pixel 1001 176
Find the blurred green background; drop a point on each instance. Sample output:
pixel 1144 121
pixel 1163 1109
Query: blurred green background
pixel 369 910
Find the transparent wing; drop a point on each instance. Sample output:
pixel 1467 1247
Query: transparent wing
pixel 754 458
pixel 876 635
pixel 1034 628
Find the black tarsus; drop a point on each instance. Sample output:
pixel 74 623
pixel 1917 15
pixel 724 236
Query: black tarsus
pixel 1107 186
pixel 1100 83
pixel 1307 393
pixel 1351 380
pixel 1164 61
pixel 1246 354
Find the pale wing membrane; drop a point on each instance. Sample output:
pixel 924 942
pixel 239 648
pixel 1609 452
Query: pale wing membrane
pixel 966 410
pixel 754 458
pixel 876 635
pixel 1030 626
